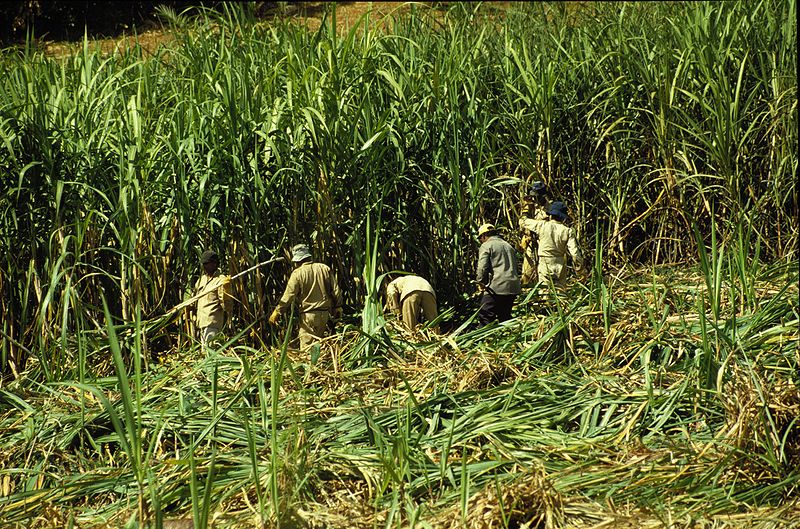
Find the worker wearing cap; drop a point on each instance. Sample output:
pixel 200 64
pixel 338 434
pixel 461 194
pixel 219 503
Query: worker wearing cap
pixel 535 208
pixel 556 241
pixel 497 275
pixel 535 201
pixel 314 290
pixel 214 302
pixel 411 297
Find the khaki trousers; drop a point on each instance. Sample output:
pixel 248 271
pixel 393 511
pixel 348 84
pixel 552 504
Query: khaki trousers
pixel 207 334
pixel 313 326
pixel 415 303
pixel 552 269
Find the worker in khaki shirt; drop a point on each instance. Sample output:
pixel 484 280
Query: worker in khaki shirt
pixel 314 290
pixel 534 207
pixel 411 297
pixel 214 302
pixel 555 241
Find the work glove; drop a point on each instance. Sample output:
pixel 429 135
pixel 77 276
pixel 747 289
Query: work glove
pixel 479 290
pixel 274 317
pixel 525 242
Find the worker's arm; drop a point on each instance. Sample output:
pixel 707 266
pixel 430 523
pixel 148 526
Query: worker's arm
pixel 336 293
pixel 290 294
pixel 393 298
pixel 484 273
pixel 574 250
pixel 336 297
pixel 531 226
pixel 191 308
pixel 225 293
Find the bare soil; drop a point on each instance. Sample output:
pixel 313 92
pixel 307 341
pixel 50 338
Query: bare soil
pixel 310 14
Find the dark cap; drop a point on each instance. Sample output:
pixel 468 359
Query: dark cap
pixel 209 256
pixel 557 210
pixel 537 187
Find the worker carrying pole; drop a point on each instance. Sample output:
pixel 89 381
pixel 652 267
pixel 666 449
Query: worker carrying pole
pixel 212 296
pixel 211 293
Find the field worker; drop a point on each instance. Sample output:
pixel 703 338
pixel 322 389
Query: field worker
pixel 497 276
pixel 535 202
pixel 214 302
pixel 534 207
pixel 411 297
pixel 314 290
pixel 555 241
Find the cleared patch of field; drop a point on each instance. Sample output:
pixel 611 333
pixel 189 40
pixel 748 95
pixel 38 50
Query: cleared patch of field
pixel 482 428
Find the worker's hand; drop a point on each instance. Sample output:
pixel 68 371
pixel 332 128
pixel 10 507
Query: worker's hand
pixel 337 313
pixel 274 317
pixel 525 242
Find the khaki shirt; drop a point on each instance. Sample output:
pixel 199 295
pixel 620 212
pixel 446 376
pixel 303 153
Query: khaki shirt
pixel 539 213
pixel 555 241
pixel 497 267
pixel 313 288
pixel 402 287
pixel 534 210
pixel 216 302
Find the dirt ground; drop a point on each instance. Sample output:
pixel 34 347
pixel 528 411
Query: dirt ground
pixel 309 13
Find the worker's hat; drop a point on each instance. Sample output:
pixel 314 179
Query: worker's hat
pixel 209 256
pixel 300 252
pixel 558 210
pixel 537 187
pixel 486 229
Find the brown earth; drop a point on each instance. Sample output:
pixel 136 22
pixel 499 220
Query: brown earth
pixel 308 13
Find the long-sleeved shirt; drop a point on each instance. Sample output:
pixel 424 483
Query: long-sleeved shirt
pixel 215 301
pixel 400 288
pixel 538 213
pixel 497 267
pixel 555 241
pixel 313 288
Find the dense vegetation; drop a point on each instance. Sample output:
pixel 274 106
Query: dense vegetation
pixel 649 394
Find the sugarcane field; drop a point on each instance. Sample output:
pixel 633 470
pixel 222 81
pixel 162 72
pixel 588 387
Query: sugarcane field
pixel 375 265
